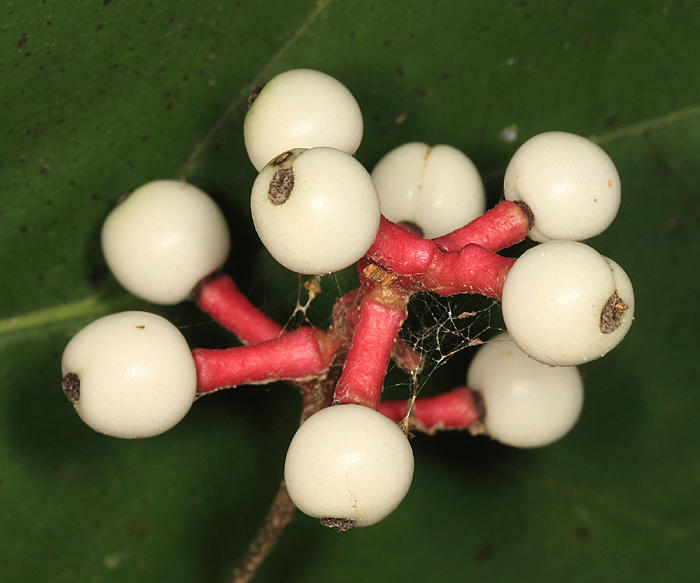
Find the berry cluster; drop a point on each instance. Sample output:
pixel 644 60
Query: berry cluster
pixel 415 224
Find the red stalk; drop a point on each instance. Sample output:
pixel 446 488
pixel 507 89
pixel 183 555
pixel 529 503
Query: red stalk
pixel 399 250
pixel 223 301
pixel 471 270
pixel 424 266
pixel 502 226
pixel 296 355
pixel 381 314
pixel 456 409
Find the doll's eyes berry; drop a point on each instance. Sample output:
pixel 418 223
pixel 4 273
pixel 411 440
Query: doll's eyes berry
pixel 163 239
pixel 565 304
pixel 437 188
pixel 129 375
pixel 316 211
pixel 526 403
pixel 570 184
pixel 301 108
pixel 348 465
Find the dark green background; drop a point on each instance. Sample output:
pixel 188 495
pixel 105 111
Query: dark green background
pixel 99 97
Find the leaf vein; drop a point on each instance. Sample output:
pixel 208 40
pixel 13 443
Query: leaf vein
pixel 242 96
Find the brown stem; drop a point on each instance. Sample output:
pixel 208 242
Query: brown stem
pixel 316 394
pixel 280 514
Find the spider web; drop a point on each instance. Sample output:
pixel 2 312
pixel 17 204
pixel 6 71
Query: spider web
pixel 442 328
pixel 437 328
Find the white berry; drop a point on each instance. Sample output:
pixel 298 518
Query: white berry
pixel 527 403
pixel 163 239
pixel 315 210
pixel 437 188
pixel 301 108
pixel 349 464
pixel 570 184
pixel 565 304
pixel 129 375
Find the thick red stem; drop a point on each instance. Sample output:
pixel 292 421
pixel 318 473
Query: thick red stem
pixel 504 225
pixel 423 266
pixel 381 314
pixel 399 250
pixel 471 270
pixel 296 355
pixel 223 301
pixel 456 409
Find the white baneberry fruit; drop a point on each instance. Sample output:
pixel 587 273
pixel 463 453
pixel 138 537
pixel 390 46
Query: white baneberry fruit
pixel 437 188
pixel 129 375
pixel 565 304
pixel 301 108
pixel 348 465
pixel 163 239
pixel 316 211
pixel 527 403
pixel 570 184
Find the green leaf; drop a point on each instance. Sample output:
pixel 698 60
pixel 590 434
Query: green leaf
pixel 99 97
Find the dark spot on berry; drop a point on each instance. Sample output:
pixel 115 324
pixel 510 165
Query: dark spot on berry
pixel 23 229
pixel 339 524
pixel 480 404
pixel 254 94
pixel 528 213
pixel 71 387
pixel 412 228
pixel 281 159
pixel 281 186
pixel 611 314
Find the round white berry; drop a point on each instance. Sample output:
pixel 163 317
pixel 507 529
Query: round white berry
pixel 163 239
pixel 565 304
pixel 437 188
pixel 301 108
pixel 129 375
pixel 315 210
pixel 570 184
pixel 349 465
pixel 527 403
